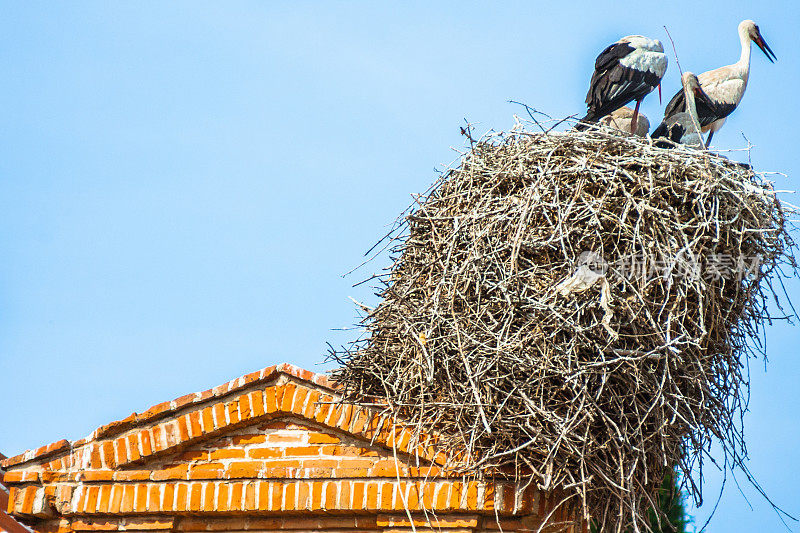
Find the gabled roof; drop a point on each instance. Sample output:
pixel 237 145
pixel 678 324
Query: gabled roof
pixel 274 441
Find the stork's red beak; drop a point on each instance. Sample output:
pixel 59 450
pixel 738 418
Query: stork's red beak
pixel 659 94
pixel 765 48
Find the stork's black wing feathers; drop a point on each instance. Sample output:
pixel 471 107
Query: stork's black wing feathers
pixel 614 85
pixel 708 110
pixel 605 62
pixel 611 55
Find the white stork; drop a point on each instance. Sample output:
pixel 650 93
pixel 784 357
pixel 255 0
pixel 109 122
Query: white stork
pixel 622 120
pixel 682 128
pixel 724 86
pixel 627 70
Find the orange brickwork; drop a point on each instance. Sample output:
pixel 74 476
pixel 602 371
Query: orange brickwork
pixel 272 450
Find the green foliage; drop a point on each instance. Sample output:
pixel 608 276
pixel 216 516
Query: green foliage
pixel 671 505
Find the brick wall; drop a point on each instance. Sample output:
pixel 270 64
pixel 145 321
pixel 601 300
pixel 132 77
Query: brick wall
pixel 272 450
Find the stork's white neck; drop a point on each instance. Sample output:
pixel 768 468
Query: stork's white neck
pixel 744 59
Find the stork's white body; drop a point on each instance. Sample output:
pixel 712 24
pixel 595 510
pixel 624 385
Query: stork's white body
pixel 727 84
pixel 648 55
pixel 724 87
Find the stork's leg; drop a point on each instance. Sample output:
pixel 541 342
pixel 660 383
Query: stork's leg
pixel 635 116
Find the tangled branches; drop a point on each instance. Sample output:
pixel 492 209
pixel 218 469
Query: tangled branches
pixel 578 311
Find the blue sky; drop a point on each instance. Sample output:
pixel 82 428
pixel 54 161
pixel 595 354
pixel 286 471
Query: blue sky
pixel 183 184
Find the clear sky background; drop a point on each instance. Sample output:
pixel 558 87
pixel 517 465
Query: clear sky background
pixel 182 185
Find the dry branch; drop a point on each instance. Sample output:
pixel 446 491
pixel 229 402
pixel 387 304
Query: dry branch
pixel 577 310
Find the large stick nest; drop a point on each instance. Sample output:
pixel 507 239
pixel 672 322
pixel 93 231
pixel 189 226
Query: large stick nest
pixel 578 311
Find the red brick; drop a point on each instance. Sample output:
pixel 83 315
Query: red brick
pixel 371 502
pixel 95 475
pixel 456 488
pixel 316 495
pixel 104 499
pixel 29 498
pixel 344 494
pixel 172 472
pixel 236 496
pixel 360 421
pixel 184 400
pixel 226 453
pixel 413 497
pixel 276 502
pixel 208 497
pixel 15 476
pixel 131 475
pixel 195 496
pixel 265 453
pixel 207 417
pixel 158 439
pixel 116 499
pixel 387 495
pixel 263 495
pixel 91 499
pixel 301 451
pixel 270 399
pixel 237 440
pixel 153 498
pixel 244 407
pixel 133 447
pixel 386 468
pixel 163 407
pixel 128 498
pixel 171 434
pixel 193 455
pixel 330 495
pixel 145 443
pixel 311 404
pixel 222 497
pixel 232 409
pixel 108 454
pixel 206 471
pixel 244 469
pixel 221 420
pixel 141 498
pixel 290 497
pixel 183 428
pixel 96 458
pixel 303 494
pixel 194 424
pixel 250 497
pixel 299 400
pixel 169 497
pixel 346 418
pixel 322 438
pixel 472 495
pixel 294 438
pixel 181 498
pixel 324 409
pixel 148 524
pixel 288 397
pixel 257 403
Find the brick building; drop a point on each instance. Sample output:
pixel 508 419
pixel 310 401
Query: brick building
pixel 7 523
pixel 269 451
